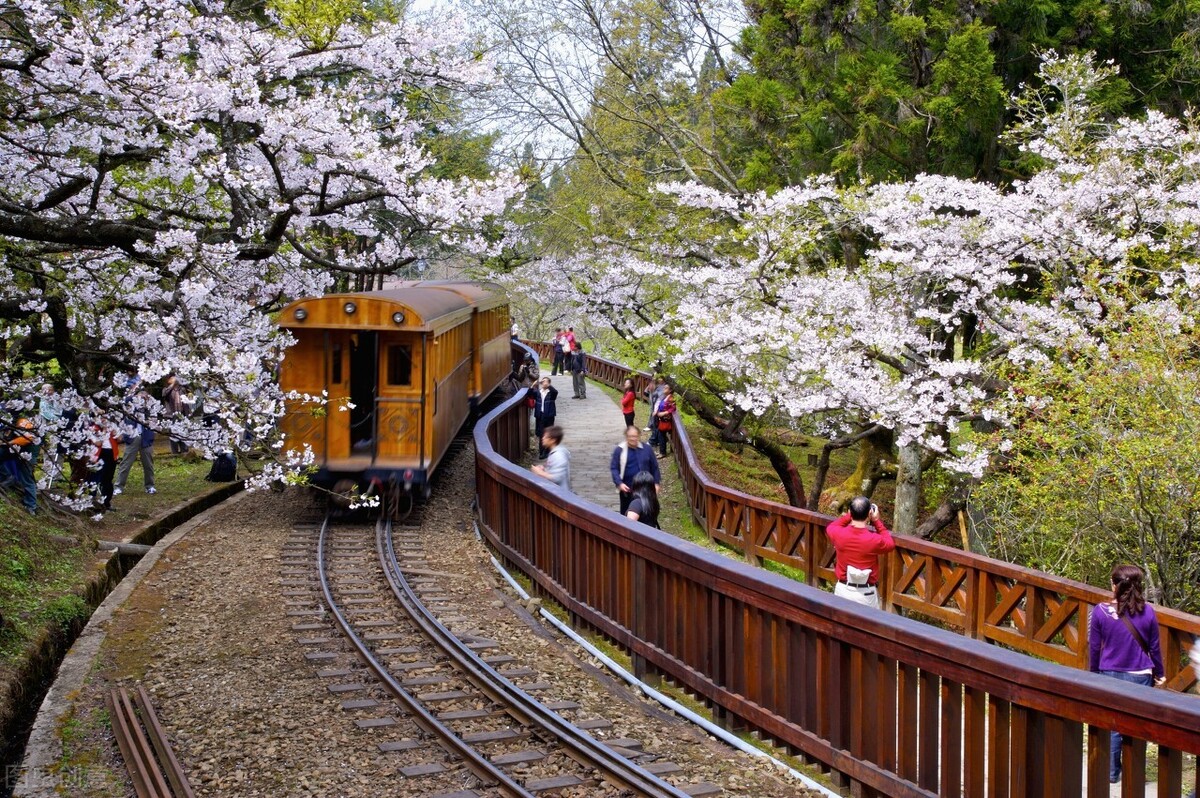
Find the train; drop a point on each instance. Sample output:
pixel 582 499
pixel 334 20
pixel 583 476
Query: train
pixel 401 370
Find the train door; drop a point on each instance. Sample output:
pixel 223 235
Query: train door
pixel 401 432
pixel 337 389
pixel 364 377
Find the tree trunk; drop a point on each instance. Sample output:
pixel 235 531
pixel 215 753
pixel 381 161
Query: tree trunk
pixel 943 515
pixel 793 485
pixel 908 488
pixel 874 451
pixel 732 431
pixel 789 476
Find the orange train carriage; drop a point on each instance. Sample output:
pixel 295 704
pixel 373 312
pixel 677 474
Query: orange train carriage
pixel 402 370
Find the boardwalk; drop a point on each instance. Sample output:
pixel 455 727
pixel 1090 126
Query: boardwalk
pixel 591 428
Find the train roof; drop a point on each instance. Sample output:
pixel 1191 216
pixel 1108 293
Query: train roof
pixel 483 295
pixel 423 308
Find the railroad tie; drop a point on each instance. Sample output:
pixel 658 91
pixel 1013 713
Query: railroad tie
pixel 152 765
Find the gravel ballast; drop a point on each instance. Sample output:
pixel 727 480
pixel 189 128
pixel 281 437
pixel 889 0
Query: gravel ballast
pixel 208 634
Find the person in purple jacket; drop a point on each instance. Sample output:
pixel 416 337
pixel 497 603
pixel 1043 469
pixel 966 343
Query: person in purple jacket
pixel 1123 643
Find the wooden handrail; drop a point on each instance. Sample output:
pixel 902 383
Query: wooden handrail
pixel 1031 611
pixel 891 705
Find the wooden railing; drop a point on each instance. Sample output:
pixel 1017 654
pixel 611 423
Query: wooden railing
pixel 889 705
pixel 986 599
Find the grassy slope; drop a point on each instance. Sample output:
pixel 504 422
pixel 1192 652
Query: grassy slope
pixel 45 561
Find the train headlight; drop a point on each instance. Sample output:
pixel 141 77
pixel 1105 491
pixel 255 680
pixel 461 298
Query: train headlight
pixel 301 314
pixel 398 317
pixel 349 307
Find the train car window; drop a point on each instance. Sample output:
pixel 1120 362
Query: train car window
pixel 399 364
pixel 336 357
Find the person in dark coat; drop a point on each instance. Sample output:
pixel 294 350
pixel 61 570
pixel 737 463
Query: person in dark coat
pixel 544 410
pixel 630 458
pixel 577 365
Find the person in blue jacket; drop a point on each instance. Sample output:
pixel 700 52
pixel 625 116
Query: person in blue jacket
pixel 629 459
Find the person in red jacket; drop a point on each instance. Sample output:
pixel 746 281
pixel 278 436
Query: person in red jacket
pixel 859 537
pixel 628 398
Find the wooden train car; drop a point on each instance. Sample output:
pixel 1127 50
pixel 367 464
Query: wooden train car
pixel 401 371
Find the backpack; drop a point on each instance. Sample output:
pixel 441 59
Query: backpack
pixel 224 468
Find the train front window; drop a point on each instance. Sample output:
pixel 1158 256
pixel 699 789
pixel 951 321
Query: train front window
pixel 399 364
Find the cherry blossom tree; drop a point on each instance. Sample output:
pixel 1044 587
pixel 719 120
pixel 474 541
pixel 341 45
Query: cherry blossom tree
pixel 171 173
pixel 896 306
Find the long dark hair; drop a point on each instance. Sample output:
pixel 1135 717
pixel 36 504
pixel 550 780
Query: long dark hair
pixel 643 488
pixel 1127 584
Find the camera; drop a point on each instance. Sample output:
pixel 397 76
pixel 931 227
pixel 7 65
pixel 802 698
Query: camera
pixel 874 509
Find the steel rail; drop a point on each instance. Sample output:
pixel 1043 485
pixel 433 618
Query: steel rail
pixel 475 762
pixel 149 760
pixel 580 746
pixel 158 738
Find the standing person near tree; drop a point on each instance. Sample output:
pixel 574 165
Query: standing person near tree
pixel 139 444
pixel 51 412
pixel 172 397
pixel 628 401
pixel 629 459
pixel 664 418
pixel 859 536
pixel 19 458
pixel 1123 643
pixel 104 464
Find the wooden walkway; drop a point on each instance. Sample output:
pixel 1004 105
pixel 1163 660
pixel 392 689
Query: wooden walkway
pixel 592 427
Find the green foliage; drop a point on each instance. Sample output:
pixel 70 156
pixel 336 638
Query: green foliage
pixel 1104 467
pixel 881 91
pixel 64 611
pixel 37 573
pixel 317 22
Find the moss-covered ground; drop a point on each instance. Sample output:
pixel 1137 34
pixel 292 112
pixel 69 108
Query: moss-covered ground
pixel 44 560
pixel 46 564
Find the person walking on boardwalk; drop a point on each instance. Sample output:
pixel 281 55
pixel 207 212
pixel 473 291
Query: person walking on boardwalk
pixel 859 536
pixel 557 364
pixel 644 506
pixel 653 397
pixel 558 459
pixel 578 368
pixel 629 459
pixel 664 418
pixel 544 411
pixel 628 400
pixel 1123 643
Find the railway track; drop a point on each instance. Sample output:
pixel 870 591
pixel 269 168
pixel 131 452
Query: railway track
pixel 457 714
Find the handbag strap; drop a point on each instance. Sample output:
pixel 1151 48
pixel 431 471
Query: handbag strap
pixel 1136 634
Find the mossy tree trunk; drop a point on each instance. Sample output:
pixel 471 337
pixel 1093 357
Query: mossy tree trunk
pixel 876 461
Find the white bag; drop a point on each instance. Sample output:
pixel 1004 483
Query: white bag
pixel 857 577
